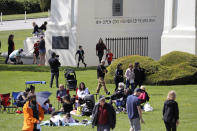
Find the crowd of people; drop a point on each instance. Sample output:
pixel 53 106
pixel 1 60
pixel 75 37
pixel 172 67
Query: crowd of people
pixel 129 99
pixel 39 49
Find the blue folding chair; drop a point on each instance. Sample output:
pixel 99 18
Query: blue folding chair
pixel 14 98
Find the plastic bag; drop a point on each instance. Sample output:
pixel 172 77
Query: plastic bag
pixel 147 107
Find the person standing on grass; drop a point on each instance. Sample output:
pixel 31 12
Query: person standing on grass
pixel 118 75
pixel 109 56
pixel 103 116
pixel 171 112
pixel 100 47
pixel 33 114
pixel 130 76
pixel 139 74
pixel 11 46
pixel 54 65
pixel 101 71
pixel 42 51
pixel 134 110
pixel 81 53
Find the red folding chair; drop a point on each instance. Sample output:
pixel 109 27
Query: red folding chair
pixel 5 100
pixel 59 99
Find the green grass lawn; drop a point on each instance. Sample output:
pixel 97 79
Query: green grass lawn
pixel 13 80
pixel 22 16
pixel 19 37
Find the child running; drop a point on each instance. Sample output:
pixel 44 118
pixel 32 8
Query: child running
pixel 81 53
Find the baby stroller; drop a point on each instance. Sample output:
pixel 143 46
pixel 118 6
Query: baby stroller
pixel 70 79
pixel 89 105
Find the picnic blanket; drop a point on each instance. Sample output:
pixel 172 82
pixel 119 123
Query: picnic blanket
pixel 58 121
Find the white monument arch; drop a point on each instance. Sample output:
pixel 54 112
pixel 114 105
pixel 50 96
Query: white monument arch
pixel 127 27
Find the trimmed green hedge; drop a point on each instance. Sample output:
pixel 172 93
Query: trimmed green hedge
pixel 20 6
pixel 172 69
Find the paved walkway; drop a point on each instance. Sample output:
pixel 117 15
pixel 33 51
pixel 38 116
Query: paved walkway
pixel 21 24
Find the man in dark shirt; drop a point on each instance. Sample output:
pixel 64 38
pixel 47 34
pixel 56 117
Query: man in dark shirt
pixel 43 26
pixel 139 75
pixel 100 47
pixel 54 65
pixel 81 53
pixel 103 115
pixel 101 71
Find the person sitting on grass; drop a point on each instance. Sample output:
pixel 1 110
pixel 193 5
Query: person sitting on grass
pixel 32 89
pixel 61 92
pixel 82 91
pixel 119 97
pixel 47 107
pixel 68 118
pixel 144 97
pixel 15 56
pixel 22 98
pixel 67 104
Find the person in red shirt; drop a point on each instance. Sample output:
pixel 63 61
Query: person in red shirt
pixel 36 52
pixel 109 57
pixel 103 115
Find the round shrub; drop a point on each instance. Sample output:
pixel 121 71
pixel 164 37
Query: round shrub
pixel 145 62
pixel 176 57
pixel 174 68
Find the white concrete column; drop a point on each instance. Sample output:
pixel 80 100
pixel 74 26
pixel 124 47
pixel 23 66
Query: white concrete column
pixel 75 13
pixel 182 36
pixel 186 15
pixel 168 16
pixel 60 25
pixel 60 11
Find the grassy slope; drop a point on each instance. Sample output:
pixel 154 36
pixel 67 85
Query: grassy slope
pixel 22 16
pixel 186 97
pixel 19 37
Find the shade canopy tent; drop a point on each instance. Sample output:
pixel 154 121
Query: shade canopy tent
pixel 34 82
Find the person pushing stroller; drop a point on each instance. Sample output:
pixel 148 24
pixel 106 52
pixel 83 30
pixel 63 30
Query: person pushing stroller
pixel 80 53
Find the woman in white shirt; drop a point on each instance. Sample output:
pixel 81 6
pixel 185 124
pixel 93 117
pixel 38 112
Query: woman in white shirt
pixel 82 91
pixel 130 76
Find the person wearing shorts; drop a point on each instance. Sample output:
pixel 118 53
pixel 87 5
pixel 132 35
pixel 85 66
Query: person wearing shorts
pixel 134 110
pixel 42 51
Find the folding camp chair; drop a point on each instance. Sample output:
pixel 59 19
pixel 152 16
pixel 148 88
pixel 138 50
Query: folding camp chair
pixel 15 98
pixel 5 101
pixel 59 99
